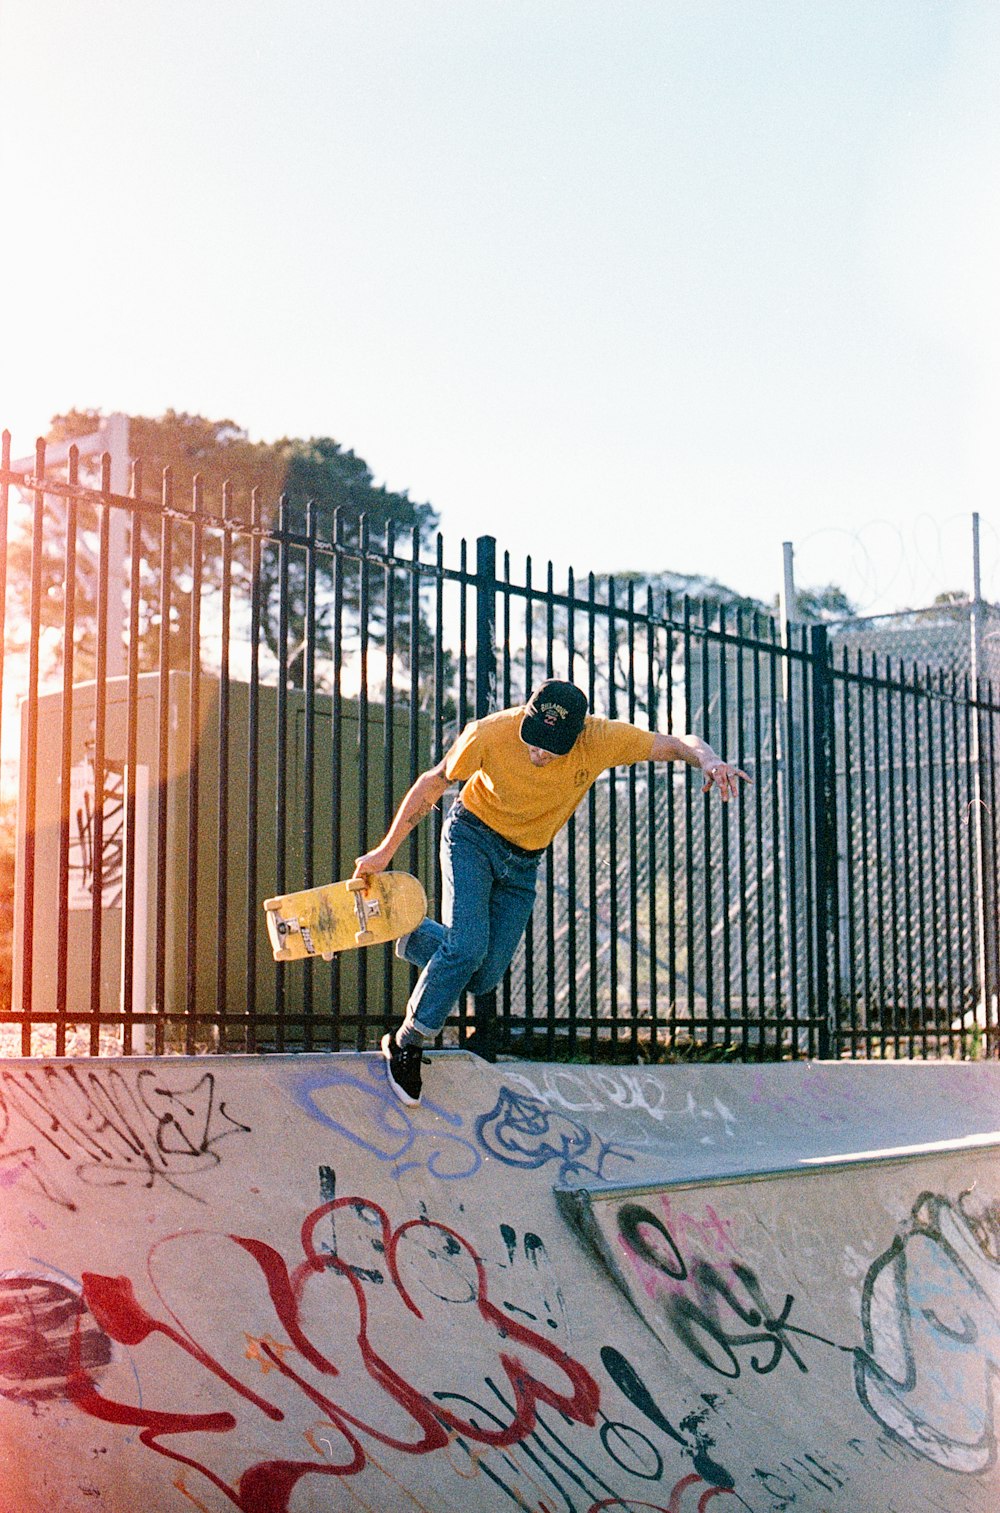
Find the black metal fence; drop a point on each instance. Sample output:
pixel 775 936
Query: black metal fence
pixel 216 706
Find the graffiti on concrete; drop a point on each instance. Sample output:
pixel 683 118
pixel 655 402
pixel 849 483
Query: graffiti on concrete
pixel 112 1127
pixel 546 1456
pixel 425 1267
pixel 370 1117
pixel 719 1312
pixel 689 1435
pixel 337 1339
pixel 930 1314
pixel 591 1090
pixel 802 1474
pixel 817 1093
pixel 930 1311
pixel 45 1327
pixel 521 1131
pixel 675 1503
pixel 427 1355
pixel 541 1274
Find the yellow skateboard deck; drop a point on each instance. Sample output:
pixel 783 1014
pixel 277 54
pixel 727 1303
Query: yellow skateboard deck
pixel 342 916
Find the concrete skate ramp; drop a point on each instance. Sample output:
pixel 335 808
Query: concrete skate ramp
pixel 262 1284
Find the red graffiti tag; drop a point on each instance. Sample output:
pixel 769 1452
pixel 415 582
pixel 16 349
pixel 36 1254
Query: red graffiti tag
pixel 629 1505
pixel 538 1371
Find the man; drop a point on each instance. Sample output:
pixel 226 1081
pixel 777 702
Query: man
pixel 524 770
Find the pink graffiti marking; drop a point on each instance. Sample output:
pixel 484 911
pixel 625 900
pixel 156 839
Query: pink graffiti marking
pixel 714 1232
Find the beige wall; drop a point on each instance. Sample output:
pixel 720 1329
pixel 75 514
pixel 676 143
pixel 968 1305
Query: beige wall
pixel 329 786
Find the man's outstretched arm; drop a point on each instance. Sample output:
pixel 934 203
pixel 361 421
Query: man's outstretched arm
pixel 416 804
pixel 697 753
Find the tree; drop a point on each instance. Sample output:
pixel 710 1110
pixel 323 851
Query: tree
pixel 331 500
pixel 620 660
pixel 952 605
pixel 826 602
pixel 236 477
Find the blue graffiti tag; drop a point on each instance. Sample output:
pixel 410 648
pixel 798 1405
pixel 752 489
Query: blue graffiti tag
pixel 520 1131
pixel 382 1114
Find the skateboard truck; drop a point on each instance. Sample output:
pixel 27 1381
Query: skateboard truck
pixel 364 911
pixel 363 936
pixel 281 929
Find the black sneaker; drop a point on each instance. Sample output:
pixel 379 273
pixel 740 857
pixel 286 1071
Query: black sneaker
pixel 403 1068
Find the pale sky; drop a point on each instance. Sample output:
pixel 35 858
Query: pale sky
pixel 651 284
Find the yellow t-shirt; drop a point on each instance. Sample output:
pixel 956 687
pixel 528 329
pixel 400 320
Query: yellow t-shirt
pixel 529 804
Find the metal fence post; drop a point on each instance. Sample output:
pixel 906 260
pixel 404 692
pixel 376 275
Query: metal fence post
pixel 985 862
pixel 485 1013
pixel 486 625
pixel 824 858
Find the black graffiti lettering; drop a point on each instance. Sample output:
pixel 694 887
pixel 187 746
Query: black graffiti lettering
pixel 696 1314
pixel 776 1487
pixel 942 1252
pixel 546 1452
pixel 633 1223
pixel 364 1212
pixel 22 1165
pixel 537 1258
pixel 892 1450
pixel 822 1471
pixel 115 1127
pixel 544 1427
pixel 112 839
pixel 796 1474
pixel 478 1458
pixel 630 1384
pixel 693 1321
pixel 509 1235
pixel 534 1247
pixel 571 1478
pixel 624 1444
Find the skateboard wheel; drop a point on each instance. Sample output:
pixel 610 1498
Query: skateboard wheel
pixel 364 937
pixel 329 955
pixel 356 885
pixel 271 904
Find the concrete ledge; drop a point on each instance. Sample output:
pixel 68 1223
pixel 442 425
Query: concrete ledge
pixel 261 1283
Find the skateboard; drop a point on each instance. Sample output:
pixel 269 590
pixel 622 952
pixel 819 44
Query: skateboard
pixel 344 915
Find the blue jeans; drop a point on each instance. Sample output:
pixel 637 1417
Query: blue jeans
pixel 488 892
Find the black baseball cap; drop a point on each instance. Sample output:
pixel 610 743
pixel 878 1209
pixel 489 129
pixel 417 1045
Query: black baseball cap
pixel 554 716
